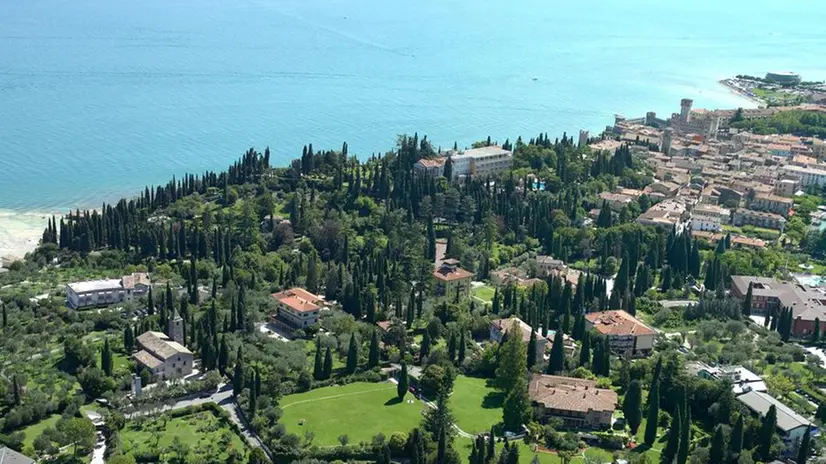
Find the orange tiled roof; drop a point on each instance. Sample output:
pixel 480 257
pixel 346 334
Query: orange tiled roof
pixel 618 322
pixel 298 299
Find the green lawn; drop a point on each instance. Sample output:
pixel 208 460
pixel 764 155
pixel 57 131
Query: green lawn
pixel 526 453
pixel 207 435
pixel 33 431
pixel 360 410
pixel 476 406
pixel 484 293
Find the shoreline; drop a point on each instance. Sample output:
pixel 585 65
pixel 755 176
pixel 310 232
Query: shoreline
pixel 742 93
pixel 20 232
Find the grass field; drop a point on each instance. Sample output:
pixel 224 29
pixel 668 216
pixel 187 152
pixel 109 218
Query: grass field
pixel 360 410
pixel 484 293
pixel 33 431
pixel 207 436
pixel 476 406
pixel 526 453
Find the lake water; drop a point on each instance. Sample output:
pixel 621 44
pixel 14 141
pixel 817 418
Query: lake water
pixel 100 97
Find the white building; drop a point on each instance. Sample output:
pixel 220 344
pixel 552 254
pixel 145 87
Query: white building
pixel 807 176
pixel 791 426
pixel 481 162
pixel 162 356
pixel 742 380
pixel 296 308
pixel 107 291
pixel 709 218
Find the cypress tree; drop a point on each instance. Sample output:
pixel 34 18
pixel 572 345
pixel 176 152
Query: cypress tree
pixel 495 307
pixel 718 446
pixel 318 363
pixel 491 445
pixel 585 351
pixel 107 362
pixel 803 449
pixel 431 240
pixel 328 363
pixel 653 414
pixel 685 436
pixel 373 359
pixel 5 316
pixel 352 355
pixel 425 348
pixel 462 348
pixel 312 272
pixel 532 350
pixel 16 394
pixel 451 346
pixel 766 433
pixel 632 406
pixel 238 375
pixel 673 443
pixel 557 361
pixel 747 301
pixel 735 444
pixel 128 339
pixel 816 331
pixel 150 303
pixel 223 355
pixel 411 305
pixel 403 384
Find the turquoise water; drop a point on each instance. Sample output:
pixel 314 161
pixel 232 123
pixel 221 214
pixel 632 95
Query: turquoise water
pixel 100 97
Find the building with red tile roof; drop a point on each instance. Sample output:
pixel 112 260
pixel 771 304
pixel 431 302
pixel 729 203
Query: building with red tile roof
pixel 627 335
pixel 450 279
pixel 297 307
pixel 577 402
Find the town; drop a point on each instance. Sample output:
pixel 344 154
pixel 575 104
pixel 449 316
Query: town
pixel 652 294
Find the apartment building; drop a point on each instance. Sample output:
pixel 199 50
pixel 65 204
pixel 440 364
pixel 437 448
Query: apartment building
pixel 297 307
pixel 107 291
pixel 627 336
pixel 772 204
pixel 577 402
pixel 481 162
pixel 709 217
pixel 450 279
pixel 747 217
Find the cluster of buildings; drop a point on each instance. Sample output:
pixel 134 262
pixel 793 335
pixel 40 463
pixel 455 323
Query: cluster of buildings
pixel 578 403
pixel 770 295
pixel 500 327
pixel 477 162
pixel 104 292
pixel 751 391
pixel 712 175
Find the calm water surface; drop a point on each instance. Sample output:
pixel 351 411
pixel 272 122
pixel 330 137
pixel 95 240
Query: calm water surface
pixel 100 97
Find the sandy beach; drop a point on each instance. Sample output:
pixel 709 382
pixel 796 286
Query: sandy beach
pixel 20 232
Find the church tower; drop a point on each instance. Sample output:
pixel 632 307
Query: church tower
pixel 175 328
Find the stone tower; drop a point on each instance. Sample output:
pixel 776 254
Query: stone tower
pixel 175 328
pixel 668 136
pixel 685 110
pixel 583 137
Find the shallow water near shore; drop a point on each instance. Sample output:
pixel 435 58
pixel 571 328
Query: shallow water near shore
pixel 102 97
